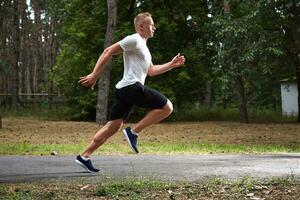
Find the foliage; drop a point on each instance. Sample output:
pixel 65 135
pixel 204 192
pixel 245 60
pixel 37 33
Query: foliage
pixel 4 68
pixel 82 33
pixel 147 188
pixel 247 42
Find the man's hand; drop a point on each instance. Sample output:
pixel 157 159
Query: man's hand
pixel 88 81
pixel 177 61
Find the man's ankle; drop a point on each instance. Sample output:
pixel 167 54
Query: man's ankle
pixel 84 157
pixel 134 132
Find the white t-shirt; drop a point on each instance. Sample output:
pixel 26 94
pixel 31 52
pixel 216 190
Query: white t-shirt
pixel 137 60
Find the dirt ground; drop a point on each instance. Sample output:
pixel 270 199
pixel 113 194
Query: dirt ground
pixel 34 131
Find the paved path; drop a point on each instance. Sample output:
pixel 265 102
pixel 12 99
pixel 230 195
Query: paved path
pixel 163 167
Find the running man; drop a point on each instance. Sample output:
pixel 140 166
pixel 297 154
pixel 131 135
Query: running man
pixel 130 91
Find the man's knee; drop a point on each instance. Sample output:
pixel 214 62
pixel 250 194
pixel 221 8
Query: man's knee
pixel 108 130
pixel 168 107
pixel 114 126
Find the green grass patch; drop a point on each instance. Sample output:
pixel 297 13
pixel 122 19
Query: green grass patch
pixel 40 111
pixel 217 148
pixel 209 188
pixel 147 148
pixel 131 189
pixel 188 112
pixel 258 115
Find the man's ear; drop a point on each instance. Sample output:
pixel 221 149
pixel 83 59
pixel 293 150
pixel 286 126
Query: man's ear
pixel 141 26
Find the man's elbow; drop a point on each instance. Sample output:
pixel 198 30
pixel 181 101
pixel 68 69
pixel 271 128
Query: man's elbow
pixel 112 50
pixel 151 73
pixel 108 51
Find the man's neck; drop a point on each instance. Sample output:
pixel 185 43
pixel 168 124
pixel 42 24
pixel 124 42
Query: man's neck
pixel 142 36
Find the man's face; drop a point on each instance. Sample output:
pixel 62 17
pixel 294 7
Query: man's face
pixel 148 27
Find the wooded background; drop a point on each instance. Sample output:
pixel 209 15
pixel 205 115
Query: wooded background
pixel 236 51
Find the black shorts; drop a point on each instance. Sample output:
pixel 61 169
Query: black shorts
pixel 135 95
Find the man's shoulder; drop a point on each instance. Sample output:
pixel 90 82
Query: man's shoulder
pixel 130 42
pixel 134 35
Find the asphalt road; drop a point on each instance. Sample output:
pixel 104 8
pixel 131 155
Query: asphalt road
pixel 160 167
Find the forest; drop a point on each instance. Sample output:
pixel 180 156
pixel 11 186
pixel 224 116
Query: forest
pixel 237 53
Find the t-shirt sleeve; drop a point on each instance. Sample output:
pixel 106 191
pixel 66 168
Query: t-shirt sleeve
pixel 128 43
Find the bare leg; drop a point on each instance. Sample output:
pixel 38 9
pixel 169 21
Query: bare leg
pixel 102 135
pixel 154 116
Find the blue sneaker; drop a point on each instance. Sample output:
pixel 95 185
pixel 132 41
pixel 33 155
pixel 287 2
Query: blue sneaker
pixel 131 139
pixel 86 164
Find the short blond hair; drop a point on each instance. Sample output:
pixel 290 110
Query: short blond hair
pixel 141 17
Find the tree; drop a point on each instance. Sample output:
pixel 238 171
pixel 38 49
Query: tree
pixel 4 19
pixel 38 59
pixel 53 19
pixel 231 35
pixel 291 28
pixel 81 39
pixel 281 20
pixel 16 55
pixel 104 82
pixel 0 121
pixel 233 57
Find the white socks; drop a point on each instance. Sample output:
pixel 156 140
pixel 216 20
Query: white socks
pixel 137 134
pixel 85 158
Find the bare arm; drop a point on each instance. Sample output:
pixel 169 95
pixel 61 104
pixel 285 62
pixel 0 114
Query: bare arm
pixel 91 79
pixel 177 61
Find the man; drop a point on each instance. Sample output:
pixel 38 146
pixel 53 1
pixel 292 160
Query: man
pixel 130 91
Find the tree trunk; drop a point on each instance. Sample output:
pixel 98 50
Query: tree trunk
pixel 0 121
pixel 38 71
pixel 208 92
pixel 15 60
pixel 53 49
pixel 239 88
pixel 5 20
pixel 103 89
pixel 22 48
pixel 298 84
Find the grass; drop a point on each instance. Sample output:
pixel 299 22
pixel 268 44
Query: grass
pixel 146 148
pixel 210 188
pixel 40 111
pixel 216 148
pixel 29 136
pixel 258 115
pixel 130 188
pixel 185 113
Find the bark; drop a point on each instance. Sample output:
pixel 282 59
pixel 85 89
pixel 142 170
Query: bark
pixel 22 48
pixel 298 83
pixel 3 44
pixel 240 90
pixel 53 49
pixel 15 59
pixel 3 16
pixel 47 55
pixel 38 71
pixel 103 89
pixel 208 94
pixel 28 85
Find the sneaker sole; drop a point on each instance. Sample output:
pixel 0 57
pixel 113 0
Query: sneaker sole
pixel 127 138
pixel 83 166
